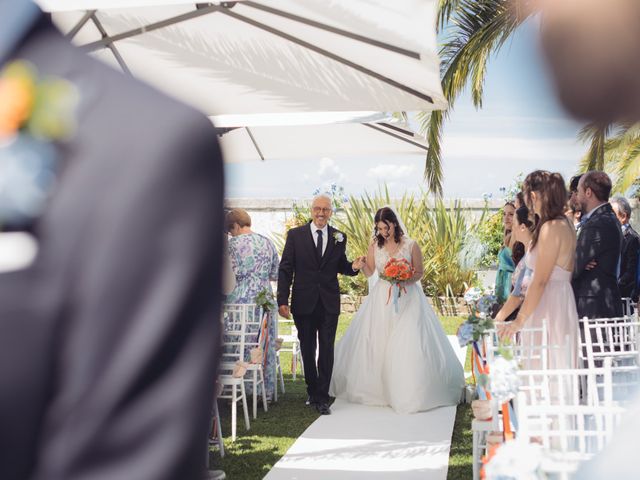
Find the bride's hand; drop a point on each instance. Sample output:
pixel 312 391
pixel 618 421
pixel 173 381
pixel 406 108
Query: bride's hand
pixel 358 263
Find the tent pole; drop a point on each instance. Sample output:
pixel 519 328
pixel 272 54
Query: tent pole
pixel 85 18
pixel 110 46
pixel 105 42
pixel 255 144
pixel 328 54
pixel 395 135
pixel 328 28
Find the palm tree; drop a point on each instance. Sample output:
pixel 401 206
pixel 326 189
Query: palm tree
pixel 615 149
pixel 476 29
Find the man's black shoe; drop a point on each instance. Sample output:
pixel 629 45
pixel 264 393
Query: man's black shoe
pixel 323 408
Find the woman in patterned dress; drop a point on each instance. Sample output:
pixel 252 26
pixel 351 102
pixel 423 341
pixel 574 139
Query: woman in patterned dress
pixel 254 260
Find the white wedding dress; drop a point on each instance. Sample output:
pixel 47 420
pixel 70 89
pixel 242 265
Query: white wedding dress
pixel 404 359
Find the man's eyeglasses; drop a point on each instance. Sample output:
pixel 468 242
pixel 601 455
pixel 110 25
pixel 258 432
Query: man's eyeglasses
pixel 319 209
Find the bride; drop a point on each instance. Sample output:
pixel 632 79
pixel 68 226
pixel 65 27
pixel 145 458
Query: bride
pixel 398 357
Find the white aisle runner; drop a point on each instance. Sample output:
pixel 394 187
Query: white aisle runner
pixel 358 442
pixel 361 442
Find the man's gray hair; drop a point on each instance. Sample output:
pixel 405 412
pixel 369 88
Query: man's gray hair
pixel 324 196
pixel 623 205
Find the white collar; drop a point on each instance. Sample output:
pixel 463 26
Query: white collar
pixel 588 215
pixel 325 229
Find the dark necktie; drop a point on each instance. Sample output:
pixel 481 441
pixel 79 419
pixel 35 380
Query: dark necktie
pixel 319 245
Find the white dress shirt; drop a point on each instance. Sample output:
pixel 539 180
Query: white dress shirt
pixel 325 235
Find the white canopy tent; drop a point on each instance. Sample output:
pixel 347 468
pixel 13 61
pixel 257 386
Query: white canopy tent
pixel 328 71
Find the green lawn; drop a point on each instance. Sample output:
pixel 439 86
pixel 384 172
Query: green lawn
pixel 255 452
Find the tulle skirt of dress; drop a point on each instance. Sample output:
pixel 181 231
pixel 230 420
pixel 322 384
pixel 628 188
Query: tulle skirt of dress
pixel 403 360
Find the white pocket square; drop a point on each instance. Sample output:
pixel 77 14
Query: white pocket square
pixel 17 251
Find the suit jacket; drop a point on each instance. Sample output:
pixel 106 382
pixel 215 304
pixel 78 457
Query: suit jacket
pixel 627 280
pixel 313 278
pixel 109 340
pixel 596 291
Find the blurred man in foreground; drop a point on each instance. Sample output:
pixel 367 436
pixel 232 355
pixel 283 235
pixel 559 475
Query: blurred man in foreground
pixel 108 339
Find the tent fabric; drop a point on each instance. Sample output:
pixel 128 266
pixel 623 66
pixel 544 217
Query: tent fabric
pixel 246 59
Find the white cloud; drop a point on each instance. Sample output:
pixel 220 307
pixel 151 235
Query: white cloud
pixel 391 171
pixel 329 171
pixel 512 148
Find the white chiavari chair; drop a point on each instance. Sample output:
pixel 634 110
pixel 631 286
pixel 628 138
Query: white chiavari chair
pixel 256 333
pixel 569 426
pixel 231 376
pixel 530 351
pixel 616 339
pixel 291 343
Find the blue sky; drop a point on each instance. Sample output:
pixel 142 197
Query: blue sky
pixel 520 128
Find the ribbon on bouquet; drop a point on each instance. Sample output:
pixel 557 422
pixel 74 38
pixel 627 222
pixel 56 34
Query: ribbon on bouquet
pixel 397 291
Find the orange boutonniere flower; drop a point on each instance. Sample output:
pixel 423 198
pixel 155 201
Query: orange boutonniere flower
pixel 17 97
pixel 45 108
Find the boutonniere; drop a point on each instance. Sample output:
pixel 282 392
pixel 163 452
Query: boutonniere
pixel 34 112
pixel 338 237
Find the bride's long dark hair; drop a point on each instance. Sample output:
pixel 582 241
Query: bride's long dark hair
pixel 386 215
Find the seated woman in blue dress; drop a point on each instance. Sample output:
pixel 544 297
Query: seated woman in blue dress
pixel 255 262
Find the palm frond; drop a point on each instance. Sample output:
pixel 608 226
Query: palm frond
pixel 478 30
pixel 627 166
pixel 445 10
pixel 596 135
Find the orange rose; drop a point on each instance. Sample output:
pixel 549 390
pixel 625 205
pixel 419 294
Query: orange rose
pixel 391 271
pixel 16 104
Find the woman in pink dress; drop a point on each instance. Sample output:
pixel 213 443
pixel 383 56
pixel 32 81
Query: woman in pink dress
pixel 550 297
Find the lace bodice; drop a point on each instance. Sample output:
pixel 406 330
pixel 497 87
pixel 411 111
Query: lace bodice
pixel 382 256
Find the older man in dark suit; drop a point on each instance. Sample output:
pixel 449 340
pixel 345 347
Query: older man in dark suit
pixel 109 339
pixel 595 278
pixel 313 256
pixel 628 275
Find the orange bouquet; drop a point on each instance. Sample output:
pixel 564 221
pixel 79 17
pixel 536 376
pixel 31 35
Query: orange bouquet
pixel 396 271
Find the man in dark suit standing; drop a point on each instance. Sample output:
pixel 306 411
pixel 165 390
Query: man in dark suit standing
pixel 313 256
pixel 627 278
pixel 595 277
pixel 109 339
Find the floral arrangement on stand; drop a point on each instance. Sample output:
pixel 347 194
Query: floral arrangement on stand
pixel 479 321
pixel 265 300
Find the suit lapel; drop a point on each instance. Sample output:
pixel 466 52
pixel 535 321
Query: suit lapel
pixel 331 244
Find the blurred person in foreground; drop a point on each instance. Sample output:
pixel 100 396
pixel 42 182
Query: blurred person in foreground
pixel 108 351
pixel 255 263
pixel 627 277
